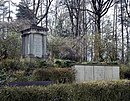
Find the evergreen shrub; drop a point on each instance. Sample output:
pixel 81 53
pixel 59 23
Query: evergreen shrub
pixel 92 91
pixel 58 75
pixel 124 71
pixel 10 64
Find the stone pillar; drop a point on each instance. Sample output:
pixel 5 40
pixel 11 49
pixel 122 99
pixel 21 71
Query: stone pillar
pixel 31 44
pixel 43 46
pixel 23 46
pixel 26 45
pixel 44 52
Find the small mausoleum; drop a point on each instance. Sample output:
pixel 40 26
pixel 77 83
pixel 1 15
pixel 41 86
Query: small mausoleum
pixel 34 42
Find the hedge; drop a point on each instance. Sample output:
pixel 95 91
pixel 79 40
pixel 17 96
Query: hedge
pixel 58 75
pixel 92 91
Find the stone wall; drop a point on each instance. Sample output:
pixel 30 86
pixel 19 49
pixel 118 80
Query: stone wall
pixel 89 73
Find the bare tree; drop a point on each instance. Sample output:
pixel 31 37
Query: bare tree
pixel 127 25
pixel 99 9
pixel 115 38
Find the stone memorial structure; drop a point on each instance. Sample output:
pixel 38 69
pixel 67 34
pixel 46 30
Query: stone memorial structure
pixel 34 42
pixel 90 73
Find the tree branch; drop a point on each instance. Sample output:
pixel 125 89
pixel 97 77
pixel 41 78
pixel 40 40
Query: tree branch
pixel 38 5
pixel 106 6
pixel 126 7
pixel 47 9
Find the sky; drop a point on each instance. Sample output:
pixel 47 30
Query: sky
pixel 13 8
pixel 15 1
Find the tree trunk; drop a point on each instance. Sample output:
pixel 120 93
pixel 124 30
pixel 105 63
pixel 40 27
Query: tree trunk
pixel 116 41
pixel 122 59
pixel 77 24
pixel 47 14
pixel 97 41
pixel 127 56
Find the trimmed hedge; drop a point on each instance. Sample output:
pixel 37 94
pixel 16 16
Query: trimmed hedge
pixel 93 91
pixel 58 75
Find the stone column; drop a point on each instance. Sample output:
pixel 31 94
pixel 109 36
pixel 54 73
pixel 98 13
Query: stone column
pixel 31 44
pixel 44 53
pixel 42 46
pixel 28 40
pixel 23 46
pixel 26 45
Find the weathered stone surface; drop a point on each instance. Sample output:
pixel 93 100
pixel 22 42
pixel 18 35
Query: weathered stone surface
pixel 37 45
pixel 79 73
pixel 34 42
pixel 116 72
pixel 108 72
pixel 88 73
pixel 98 73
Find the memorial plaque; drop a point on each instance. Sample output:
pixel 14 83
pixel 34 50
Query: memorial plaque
pixel 108 72
pixel 99 73
pixel 38 45
pixel 88 75
pixel 116 73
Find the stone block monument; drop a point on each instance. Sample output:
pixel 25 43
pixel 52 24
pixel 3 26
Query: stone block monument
pixel 86 73
pixel 34 42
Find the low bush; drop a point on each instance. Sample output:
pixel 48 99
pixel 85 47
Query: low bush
pixel 58 75
pixel 64 63
pixel 93 91
pixel 26 64
pixel 37 71
pixel 124 71
pixel 3 77
pixel 19 76
pixel 10 64
pixel 36 64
